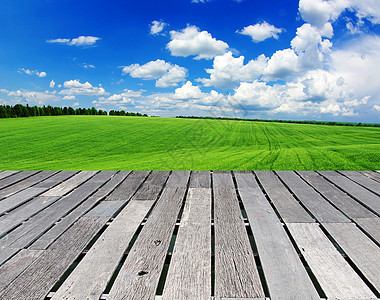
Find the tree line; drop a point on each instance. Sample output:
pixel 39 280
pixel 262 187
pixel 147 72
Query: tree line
pixel 21 111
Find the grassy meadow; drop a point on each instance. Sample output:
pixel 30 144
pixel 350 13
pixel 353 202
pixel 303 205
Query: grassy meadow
pixel 136 143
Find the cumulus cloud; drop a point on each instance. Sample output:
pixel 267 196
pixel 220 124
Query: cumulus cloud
pixel 52 83
pixel 31 97
pixel 69 98
pixel 190 41
pixel 156 27
pixel 167 74
pixel 126 97
pixel 261 31
pixel 81 41
pixel 32 72
pixel 74 87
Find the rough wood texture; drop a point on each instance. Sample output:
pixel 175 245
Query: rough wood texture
pixel 90 277
pixel 112 184
pixel 18 263
pixel 36 281
pixel 200 179
pixel 15 178
pixel 19 198
pixel 236 274
pixel 178 179
pixel 222 179
pixel 314 202
pixel 341 200
pixel 55 179
pixel 371 226
pixel 363 180
pixel 6 253
pixel 4 174
pixel 128 187
pixel 333 273
pixel 284 272
pixel 366 197
pixel 189 275
pixel 371 174
pixel 288 207
pixel 152 186
pixel 139 275
pixel 362 251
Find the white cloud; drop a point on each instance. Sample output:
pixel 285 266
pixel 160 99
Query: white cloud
pixel 192 42
pixel 200 1
pixel 69 98
pixel 75 104
pixel 166 73
pixel 157 26
pixel 32 98
pixel 86 66
pixel 188 91
pixel 376 107
pixel 126 97
pixel 74 87
pixel 80 41
pixel 52 83
pixel 33 72
pixel 261 31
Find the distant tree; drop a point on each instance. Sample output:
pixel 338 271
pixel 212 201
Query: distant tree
pixel 3 112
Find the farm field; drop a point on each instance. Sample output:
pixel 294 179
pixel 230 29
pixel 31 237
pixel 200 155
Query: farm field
pixel 136 143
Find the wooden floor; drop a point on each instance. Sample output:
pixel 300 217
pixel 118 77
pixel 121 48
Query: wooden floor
pixel 189 235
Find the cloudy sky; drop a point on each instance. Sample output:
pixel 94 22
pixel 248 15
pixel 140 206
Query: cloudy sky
pixel 275 59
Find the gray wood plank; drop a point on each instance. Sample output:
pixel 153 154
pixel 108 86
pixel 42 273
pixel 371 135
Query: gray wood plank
pixel 314 202
pixel 189 275
pixel 20 214
pixel 355 190
pixel 19 198
pixel 15 178
pixel 40 276
pixel 112 184
pixel 236 274
pixel 18 263
pixel 337 279
pixel 200 179
pixel 371 174
pixel 363 252
pixel 106 208
pixel 152 186
pixel 288 207
pixel 90 277
pixel 363 180
pixel 70 184
pixel 140 273
pixel 178 179
pixel 128 187
pixel 4 174
pixel 222 179
pixel 371 226
pixel 7 253
pixel 341 200
pixel 284 272
pixel 55 179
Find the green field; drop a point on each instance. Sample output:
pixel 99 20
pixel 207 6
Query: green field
pixel 136 143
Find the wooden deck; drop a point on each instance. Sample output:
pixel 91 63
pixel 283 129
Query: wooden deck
pixel 189 235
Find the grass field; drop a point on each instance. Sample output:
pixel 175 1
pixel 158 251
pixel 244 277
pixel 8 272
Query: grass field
pixel 135 143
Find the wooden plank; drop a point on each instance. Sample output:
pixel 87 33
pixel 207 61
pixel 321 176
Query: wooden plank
pixel 288 207
pixel 371 174
pixel 40 276
pixel 112 184
pixel 128 187
pixel 355 190
pixel 314 202
pixel 337 279
pixel 90 277
pixel 140 273
pixel 7 253
pixel 371 226
pixel 200 179
pixel 284 272
pixel 222 179
pixel 363 180
pixel 359 248
pixel 189 275
pixel 178 179
pixel 18 263
pixel 20 214
pixel 19 198
pixel 15 178
pixel 70 184
pixel 236 274
pixel 106 208
pixel 152 186
pixel 28 182
pixel 55 179
pixel 4 174
pixel 341 200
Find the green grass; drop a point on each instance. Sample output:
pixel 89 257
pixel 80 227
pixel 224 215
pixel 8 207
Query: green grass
pixel 135 143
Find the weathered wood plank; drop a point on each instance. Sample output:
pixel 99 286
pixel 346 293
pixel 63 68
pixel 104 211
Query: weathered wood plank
pixel 313 201
pixel 55 179
pixel 222 179
pixel 178 179
pixel 371 226
pixel 6 253
pixel 284 272
pixel 189 275
pixel 200 179
pixel 106 208
pixel 363 180
pixel 19 198
pixel 70 184
pixel 371 174
pixel 18 263
pixel 337 279
pixel 236 274
pixel 40 276
pixel 341 200
pixel 362 251
pixel 152 186
pixel 128 187
pixel 15 178
pixel 90 277
pixel 366 197
pixel 4 174
pixel 288 207
pixel 112 184
pixel 139 275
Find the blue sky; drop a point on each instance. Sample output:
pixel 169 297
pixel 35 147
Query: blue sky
pixel 308 59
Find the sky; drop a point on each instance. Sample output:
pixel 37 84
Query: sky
pixel 273 59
